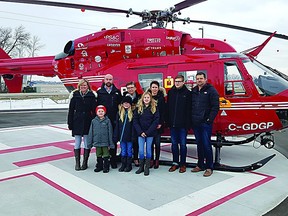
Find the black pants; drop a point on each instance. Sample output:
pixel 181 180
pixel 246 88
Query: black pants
pixel 156 146
pixel 135 150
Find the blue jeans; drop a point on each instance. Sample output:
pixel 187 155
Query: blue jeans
pixel 179 136
pixel 203 134
pixel 126 149
pixel 78 140
pixel 141 143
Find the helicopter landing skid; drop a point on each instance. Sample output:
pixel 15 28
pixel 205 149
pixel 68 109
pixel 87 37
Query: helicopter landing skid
pixel 222 167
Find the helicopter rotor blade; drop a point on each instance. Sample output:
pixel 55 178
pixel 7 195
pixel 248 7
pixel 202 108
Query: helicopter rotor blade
pixel 70 5
pixel 179 6
pixel 184 4
pixel 257 31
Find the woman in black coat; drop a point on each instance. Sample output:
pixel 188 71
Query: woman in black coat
pixel 80 114
pixel 158 96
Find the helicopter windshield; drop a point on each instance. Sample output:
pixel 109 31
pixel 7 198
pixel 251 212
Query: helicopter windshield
pixel 267 82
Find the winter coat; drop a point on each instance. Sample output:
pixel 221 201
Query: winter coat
pixel 120 126
pixel 100 133
pixel 81 112
pixel 161 104
pixel 146 122
pixel 205 104
pixel 179 107
pixel 110 101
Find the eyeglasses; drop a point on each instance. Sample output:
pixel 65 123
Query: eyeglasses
pixel 130 87
pixel 177 81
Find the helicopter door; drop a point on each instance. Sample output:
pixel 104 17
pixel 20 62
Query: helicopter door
pixel 233 81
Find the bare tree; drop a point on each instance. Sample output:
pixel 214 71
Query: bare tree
pixel 34 46
pixel 5 38
pixel 18 43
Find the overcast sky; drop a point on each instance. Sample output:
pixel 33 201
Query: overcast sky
pixel 56 26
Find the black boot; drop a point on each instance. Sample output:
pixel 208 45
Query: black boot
pixel 77 159
pixel 147 166
pixel 106 165
pixel 128 167
pixel 85 160
pixel 156 165
pixel 151 163
pixel 141 166
pixel 123 165
pixel 99 164
pixel 113 161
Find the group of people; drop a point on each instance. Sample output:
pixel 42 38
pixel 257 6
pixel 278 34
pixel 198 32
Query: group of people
pixel 105 118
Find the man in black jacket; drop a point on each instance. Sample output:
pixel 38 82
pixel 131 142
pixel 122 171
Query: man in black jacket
pixel 179 110
pixel 205 106
pixel 110 97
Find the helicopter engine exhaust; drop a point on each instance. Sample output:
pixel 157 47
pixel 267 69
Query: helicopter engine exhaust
pixel 69 50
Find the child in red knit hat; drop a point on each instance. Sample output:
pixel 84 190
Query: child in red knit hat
pixel 100 136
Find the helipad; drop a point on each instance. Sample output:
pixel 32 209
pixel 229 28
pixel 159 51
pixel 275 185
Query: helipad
pixel 37 177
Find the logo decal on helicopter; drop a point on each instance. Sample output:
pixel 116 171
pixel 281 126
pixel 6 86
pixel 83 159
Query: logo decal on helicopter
pixel 81 66
pixel 113 45
pixel 80 46
pixel 84 53
pixel 112 38
pixel 176 38
pixel 153 40
pixel 153 48
pixel 128 49
pixel 250 126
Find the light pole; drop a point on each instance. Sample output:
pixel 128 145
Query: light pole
pixel 202 30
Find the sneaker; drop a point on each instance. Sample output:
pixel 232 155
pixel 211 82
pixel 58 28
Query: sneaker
pixel 173 168
pixel 182 169
pixel 207 173
pixel 196 169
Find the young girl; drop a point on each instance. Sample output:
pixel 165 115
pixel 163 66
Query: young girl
pixel 100 136
pixel 123 133
pixel 146 119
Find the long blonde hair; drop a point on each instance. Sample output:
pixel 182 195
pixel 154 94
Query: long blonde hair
pixel 122 113
pixel 141 105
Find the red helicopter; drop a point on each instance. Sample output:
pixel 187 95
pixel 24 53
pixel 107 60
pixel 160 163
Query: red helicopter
pixel 253 96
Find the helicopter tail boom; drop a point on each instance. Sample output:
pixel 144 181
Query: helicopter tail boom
pixel 12 70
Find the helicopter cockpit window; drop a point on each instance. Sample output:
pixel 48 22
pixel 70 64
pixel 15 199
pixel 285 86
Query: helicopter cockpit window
pixel 146 79
pixel 233 80
pixel 190 77
pixel 267 82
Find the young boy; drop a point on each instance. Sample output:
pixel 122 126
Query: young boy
pixel 100 136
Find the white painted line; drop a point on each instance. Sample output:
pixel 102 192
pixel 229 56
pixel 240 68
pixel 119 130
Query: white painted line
pixel 3 146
